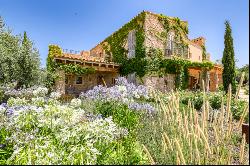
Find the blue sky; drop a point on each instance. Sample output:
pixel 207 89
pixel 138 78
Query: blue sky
pixel 81 24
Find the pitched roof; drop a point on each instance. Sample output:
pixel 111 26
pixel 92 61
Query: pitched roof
pixel 83 56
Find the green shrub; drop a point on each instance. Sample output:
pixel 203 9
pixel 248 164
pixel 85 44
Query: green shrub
pixel 237 108
pixel 195 97
pixel 215 100
pixel 221 88
pixel 122 116
pixel 1 96
pixel 7 149
pixel 126 151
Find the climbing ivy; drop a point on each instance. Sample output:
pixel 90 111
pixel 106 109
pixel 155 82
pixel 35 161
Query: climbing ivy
pixel 179 27
pixel 143 63
pixel 53 50
pixel 114 44
pixel 204 52
pixel 157 64
pixel 76 69
pixel 119 53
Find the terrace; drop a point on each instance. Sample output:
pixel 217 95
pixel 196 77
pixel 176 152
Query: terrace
pixel 85 60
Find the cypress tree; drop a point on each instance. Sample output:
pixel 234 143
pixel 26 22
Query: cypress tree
pixel 228 60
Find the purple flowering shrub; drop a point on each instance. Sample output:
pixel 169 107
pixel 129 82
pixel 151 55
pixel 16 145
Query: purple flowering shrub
pixel 123 92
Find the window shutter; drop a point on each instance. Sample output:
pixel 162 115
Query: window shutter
pixel 131 44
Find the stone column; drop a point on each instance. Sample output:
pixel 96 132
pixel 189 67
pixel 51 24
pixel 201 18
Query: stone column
pixel 207 80
pixel 60 82
pixel 205 76
pixel 216 80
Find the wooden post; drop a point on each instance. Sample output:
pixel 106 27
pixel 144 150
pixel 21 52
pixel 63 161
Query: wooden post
pixel 104 82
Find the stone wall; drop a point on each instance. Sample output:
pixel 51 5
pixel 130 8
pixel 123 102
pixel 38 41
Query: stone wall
pixel 97 51
pixel 88 82
pixel 152 27
pixel 215 78
pixel 60 82
pixel 163 84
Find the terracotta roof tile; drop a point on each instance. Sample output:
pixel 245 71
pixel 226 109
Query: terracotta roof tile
pixel 83 56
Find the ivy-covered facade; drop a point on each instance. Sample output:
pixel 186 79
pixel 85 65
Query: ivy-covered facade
pixel 154 50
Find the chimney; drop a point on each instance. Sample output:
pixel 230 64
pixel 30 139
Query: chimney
pixel 199 41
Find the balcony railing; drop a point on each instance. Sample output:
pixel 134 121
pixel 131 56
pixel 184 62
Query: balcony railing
pixel 177 49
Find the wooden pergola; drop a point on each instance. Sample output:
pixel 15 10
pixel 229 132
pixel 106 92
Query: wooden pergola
pixel 97 65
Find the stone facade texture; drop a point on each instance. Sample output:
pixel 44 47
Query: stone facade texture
pixel 152 30
pixel 88 82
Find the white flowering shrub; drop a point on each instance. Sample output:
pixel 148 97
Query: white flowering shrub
pixel 55 95
pixel 55 134
pixel 39 101
pixel 44 131
pixel 75 103
pixel 40 92
pixel 17 101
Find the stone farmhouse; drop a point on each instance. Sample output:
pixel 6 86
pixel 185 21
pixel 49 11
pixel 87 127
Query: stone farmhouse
pixel 143 33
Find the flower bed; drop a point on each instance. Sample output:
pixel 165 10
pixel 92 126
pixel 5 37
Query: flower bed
pixel 123 124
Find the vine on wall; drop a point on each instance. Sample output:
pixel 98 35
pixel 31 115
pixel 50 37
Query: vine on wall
pixel 53 50
pixel 76 69
pixel 175 24
pixel 204 52
pixel 119 53
pixel 154 61
pixel 157 64
pixel 68 68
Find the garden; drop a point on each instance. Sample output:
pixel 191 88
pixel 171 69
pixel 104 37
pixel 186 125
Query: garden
pixel 122 124
pixel 125 123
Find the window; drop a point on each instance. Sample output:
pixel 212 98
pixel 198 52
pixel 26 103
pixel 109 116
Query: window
pixel 131 44
pixel 169 44
pixel 78 80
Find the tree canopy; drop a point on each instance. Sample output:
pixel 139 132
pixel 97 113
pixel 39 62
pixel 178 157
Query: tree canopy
pixel 19 59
